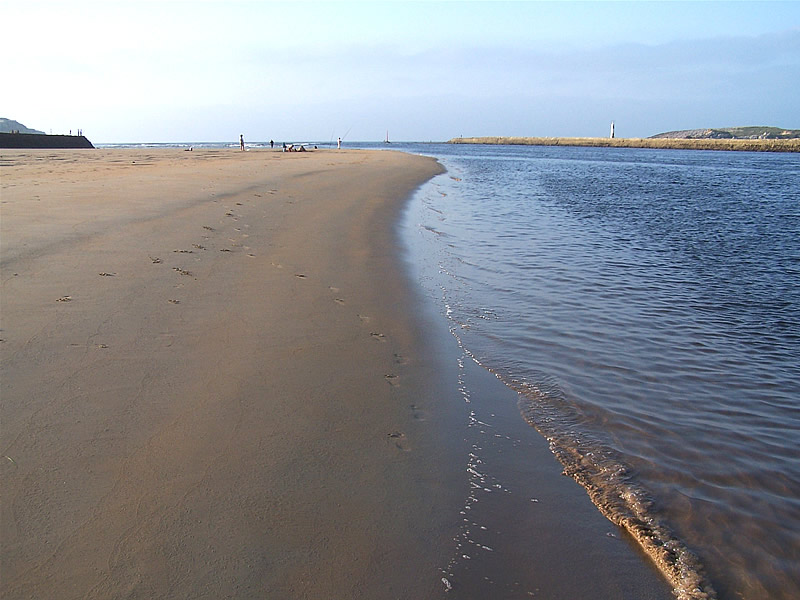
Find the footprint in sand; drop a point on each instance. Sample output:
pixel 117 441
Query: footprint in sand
pixel 174 301
pixel 399 359
pixel 400 440
pixel 392 379
pixel 156 260
pixel 104 274
pixel 363 319
pixel 300 275
pixel 335 290
pixel 378 336
pixel 65 299
pixel 182 271
pixel 199 246
pixel 417 413
pixel 207 227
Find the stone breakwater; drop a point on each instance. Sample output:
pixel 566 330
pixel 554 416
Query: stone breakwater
pixel 33 140
pixel 791 145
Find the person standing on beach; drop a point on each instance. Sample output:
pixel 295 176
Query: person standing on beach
pixel 339 143
pixel 271 144
pixel 241 141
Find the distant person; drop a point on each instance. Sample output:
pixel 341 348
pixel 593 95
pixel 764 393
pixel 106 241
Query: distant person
pixel 271 144
pixel 241 141
pixel 339 143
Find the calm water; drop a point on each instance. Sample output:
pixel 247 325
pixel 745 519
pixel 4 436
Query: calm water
pixel 645 304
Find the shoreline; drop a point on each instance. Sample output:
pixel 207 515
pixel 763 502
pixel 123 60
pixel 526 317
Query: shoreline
pixel 218 379
pixel 789 145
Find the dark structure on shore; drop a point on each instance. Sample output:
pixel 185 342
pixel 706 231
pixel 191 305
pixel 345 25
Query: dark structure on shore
pixel 36 140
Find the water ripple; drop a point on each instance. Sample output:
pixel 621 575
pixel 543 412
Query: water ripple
pixel 646 306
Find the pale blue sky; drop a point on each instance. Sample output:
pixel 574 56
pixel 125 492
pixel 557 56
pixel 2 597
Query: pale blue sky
pixel 208 71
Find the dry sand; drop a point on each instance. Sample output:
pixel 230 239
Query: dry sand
pixel 196 387
pixel 214 385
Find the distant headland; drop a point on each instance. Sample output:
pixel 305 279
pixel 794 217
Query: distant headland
pixel 15 135
pixel 731 133
pixel 749 139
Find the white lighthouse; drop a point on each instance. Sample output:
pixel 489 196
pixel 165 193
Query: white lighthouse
pixel 612 130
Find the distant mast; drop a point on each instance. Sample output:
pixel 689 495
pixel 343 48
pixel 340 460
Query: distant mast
pixel 612 130
pixel 387 137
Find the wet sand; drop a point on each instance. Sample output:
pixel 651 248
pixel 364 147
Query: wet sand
pixel 216 383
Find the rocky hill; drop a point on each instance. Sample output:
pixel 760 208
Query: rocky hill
pixel 732 133
pixel 10 126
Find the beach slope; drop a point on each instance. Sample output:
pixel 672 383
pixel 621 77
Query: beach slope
pixel 205 360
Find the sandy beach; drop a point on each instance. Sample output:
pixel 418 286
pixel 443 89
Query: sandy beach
pixel 216 384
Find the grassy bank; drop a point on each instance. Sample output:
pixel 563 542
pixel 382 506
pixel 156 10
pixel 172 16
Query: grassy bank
pixel 792 145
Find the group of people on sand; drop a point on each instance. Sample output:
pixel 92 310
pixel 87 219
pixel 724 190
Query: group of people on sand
pixel 293 148
pixel 289 148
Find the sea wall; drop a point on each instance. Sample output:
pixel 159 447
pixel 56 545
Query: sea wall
pixel 33 140
pixel 791 145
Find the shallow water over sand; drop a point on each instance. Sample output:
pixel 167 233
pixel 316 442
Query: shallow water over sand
pixel 646 306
